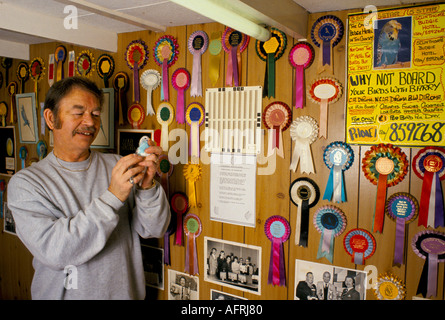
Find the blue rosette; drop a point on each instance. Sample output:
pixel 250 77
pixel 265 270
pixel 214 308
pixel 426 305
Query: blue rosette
pixel 330 221
pixel 338 157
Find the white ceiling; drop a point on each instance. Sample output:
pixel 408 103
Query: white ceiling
pixel 25 22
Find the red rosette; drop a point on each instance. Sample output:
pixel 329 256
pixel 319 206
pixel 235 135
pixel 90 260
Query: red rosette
pixel 137 52
pixel 359 244
pixel 136 115
pixel 181 79
pixel 317 91
pixel 422 155
pixel 179 203
pixel 277 227
pixel 277 114
pixel 302 54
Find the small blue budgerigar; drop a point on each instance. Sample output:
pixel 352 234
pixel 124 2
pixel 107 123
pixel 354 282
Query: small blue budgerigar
pixel 143 144
pixel 388 43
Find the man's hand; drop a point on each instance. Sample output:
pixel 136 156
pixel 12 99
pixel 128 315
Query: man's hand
pixel 150 163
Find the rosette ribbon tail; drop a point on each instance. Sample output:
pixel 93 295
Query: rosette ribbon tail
pixel 326 245
pixel 150 110
pixel 167 249
pixel 439 207
pixel 137 96
pixel 335 187
pixel 191 258
pixel 192 193
pixel 179 227
pixel 270 74
pixel 164 91
pixel 358 258
pixel 379 213
pixel 323 131
pixel 425 198
pixel 277 275
pixel 299 87
pixel 302 154
pixel 230 67
pixel 400 242
pixel 302 230
pixel 195 87
pixel 180 117
pixel 194 141
pixel 428 279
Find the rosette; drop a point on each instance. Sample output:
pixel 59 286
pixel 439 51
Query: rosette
pixel 324 91
pixel 150 80
pixel 429 245
pixel 192 173
pixel 36 72
pixel 12 91
pixel 338 156
pixel 389 287
pixel 105 67
pixel 136 57
pixel 41 149
pixel 385 166
pixel 277 230
pixel 164 170
pixel 164 115
pixel 429 165
pixel 85 63
pixel 304 131
pixel 23 154
pixel 301 57
pixel 165 53
pixel 403 208
pixel 120 84
pixel 270 51
pixel 179 203
pixel 181 82
pixel 277 117
pixel 136 115
pixel 59 57
pixel 215 47
pixel 234 43
pixel 304 193
pixel 326 33
pixel 330 221
pixel 359 244
pixel 22 75
pixel 198 43
pixel 192 229
pixel 195 118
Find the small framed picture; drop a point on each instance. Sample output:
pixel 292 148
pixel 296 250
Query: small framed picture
pixel 27 117
pixel 8 224
pixel 233 264
pixel 153 260
pixel 182 286
pixel 128 139
pixel 105 136
pixel 7 151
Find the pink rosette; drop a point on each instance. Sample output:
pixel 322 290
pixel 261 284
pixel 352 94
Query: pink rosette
pixel 181 82
pixel 301 57
pixel 197 44
pixel 277 230
pixel 234 43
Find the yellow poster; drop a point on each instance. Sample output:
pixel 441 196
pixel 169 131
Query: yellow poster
pixel 396 77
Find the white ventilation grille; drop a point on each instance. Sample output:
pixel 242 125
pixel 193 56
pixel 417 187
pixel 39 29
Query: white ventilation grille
pixel 233 120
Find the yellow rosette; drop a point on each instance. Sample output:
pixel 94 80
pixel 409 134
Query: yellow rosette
pixel 389 287
pixel 192 173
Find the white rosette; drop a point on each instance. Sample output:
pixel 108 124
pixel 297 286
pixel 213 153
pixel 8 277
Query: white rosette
pixel 304 131
pixel 150 80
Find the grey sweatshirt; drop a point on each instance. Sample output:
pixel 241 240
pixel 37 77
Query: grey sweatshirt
pixel 84 240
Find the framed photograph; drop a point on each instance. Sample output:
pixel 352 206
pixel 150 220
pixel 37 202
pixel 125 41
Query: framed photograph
pixel 105 136
pixel 128 139
pixel 8 223
pixel 219 295
pixel 233 264
pixel 27 117
pixel 182 286
pixel 316 281
pixel 7 151
pixel 153 258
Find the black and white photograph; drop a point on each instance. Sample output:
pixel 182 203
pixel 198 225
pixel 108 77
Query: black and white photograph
pixel 153 258
pixel 316 281
pixel 8 223
pixel 182 286
pixel 219 295
pixel 233 264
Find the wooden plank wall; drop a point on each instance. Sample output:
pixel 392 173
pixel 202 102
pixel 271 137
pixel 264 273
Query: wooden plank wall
pixel 272 190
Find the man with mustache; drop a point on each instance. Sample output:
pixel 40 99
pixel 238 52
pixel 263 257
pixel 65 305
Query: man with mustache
pixel 80 212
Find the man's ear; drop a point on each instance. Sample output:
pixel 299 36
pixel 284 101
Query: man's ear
pixel 49 118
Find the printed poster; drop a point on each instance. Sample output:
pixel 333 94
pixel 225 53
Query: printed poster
pixel 395 76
